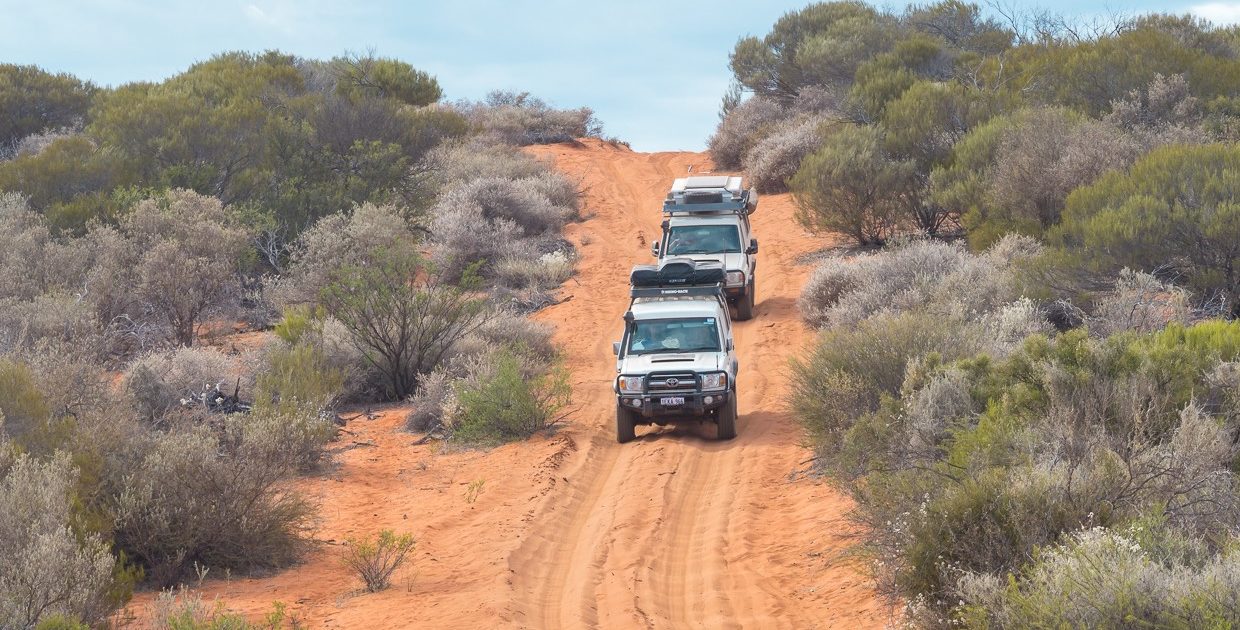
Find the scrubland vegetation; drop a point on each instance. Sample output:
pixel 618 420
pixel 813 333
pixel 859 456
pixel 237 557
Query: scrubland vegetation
pixel 1027 379
pixel 391 242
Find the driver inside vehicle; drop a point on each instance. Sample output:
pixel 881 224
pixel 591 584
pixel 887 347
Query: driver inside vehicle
pixel 654 336
pixel 687 241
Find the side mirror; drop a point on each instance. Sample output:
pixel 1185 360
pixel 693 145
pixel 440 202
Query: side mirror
pixel 753 246
pixel 654 248
pixel 730 346
pixel 615 348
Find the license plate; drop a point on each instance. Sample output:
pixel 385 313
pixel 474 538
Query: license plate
pixel 672 402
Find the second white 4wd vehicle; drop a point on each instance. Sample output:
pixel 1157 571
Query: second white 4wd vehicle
pixel 706 218
pixel 676 361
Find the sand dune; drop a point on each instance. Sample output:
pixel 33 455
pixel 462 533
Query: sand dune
pixel 573 530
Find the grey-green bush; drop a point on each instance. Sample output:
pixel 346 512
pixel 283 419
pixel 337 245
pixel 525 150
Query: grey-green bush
pixel 158 382
pixel 48 570
pixel 940 277
pixel 775 158
pixel 214 500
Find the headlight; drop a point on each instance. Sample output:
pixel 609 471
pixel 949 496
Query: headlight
pixel 630 384
pixel 735 278
pixel 717 380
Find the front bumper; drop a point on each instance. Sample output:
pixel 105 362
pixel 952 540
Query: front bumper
pixel 697 404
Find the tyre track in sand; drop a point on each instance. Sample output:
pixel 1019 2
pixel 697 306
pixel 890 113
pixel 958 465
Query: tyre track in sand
pixel 676 529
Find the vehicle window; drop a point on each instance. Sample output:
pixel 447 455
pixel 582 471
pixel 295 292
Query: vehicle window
pixel 703 239
pixel 674 335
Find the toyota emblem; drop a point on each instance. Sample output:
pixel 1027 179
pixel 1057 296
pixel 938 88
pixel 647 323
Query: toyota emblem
pixel 672 382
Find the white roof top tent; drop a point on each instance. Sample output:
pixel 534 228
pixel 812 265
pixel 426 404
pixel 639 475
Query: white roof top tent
pixel 710 194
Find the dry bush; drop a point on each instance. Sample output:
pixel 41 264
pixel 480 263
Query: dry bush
pixel 505 328
pixel 524 202
pixel 35 143
pixel 543 273
pixel 463 235
pixel 493 220
pixel 362 381
pixel 454 163
pixel 294 406
pixel 1140 303
pixel 1010 324
pixel 777 156
pixel 520 119
pixel 49 319
pixel 376 560
pixel 742 128
pixel 191 250
pixel 183 609
pixel 219 501
pixel 1166 102
pixel 943 278
pixel 1048 155
pixel 158 382
pixel 24 241
pixel 334 242
pixel 48 569
pixel 434 402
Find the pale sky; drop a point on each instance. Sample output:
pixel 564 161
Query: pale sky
pixel 653 70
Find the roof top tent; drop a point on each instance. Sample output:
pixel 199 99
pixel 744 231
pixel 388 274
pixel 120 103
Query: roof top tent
pixel 710 194
pixel 678 278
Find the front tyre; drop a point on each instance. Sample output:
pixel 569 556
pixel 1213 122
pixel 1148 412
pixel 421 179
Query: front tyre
pixel 727 419
pixel 626 425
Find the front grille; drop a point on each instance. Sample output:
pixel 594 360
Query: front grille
pixel 672 383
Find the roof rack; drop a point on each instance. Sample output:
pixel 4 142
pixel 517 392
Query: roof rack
pixel 714 194
pixel 698 291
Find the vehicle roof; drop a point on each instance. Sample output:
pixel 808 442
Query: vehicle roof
pixel 705 219
pixel 729 183
pixel 666 308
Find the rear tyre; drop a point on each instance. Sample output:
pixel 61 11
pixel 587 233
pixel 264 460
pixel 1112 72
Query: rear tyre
pixel 626 425
pixel 727 419
pixel 744 306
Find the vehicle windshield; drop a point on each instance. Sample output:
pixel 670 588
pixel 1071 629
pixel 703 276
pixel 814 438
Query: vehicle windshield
pixel 651 336
pixel 703 239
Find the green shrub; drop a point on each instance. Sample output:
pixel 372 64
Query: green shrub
pixel 376 560
pixel 1104 578
pixel 508 405
pixel 1173 213
pixel 979 463
pixel 21 403
pixel 403 326
pixel 851 186
pixel 299 375
pixel 61 622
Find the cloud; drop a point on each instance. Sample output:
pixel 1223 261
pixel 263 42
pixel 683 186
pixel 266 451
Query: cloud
pixel 277 17
pixel 1218 12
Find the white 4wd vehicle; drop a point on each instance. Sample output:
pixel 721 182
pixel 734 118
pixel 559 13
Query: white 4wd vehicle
pixel 707 218
pixel 676 361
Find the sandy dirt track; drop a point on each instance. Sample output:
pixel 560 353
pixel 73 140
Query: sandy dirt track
pixel 573 530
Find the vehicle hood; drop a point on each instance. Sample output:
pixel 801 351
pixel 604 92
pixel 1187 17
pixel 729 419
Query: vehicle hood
pixel 731 262
pixel 669 362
